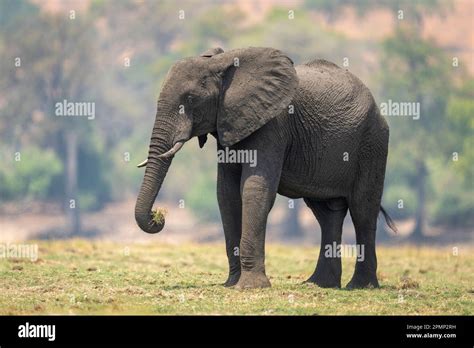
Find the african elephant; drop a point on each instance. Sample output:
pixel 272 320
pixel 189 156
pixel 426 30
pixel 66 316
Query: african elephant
pixel 317 133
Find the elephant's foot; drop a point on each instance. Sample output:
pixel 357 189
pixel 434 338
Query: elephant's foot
pixel 232 279
pixel 252 280
pixel 325 280
pixel 362 282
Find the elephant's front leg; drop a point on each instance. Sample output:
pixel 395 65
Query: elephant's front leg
pixel 258 196
pixel 230 206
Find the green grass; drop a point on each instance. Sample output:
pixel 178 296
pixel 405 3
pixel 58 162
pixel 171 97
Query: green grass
pixel 83 277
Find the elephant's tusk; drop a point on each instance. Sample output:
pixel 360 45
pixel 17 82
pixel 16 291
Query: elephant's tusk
pixel 143 163
pixel 173 150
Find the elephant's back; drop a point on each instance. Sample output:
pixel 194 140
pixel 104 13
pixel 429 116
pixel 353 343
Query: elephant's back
pixel 332 111
pixel 333 94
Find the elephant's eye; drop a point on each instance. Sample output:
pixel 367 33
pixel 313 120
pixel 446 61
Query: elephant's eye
pixel 190 99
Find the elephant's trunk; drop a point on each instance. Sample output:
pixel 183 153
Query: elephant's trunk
pixel 154 175
pixel 157 166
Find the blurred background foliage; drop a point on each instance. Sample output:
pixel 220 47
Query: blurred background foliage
pixel 86 58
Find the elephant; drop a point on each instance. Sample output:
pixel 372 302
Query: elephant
pixel 318 135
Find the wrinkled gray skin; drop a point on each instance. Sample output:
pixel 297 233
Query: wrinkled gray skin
pixel 318 135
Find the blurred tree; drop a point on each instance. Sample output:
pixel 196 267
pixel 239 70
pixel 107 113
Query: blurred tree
pixel 29 174
pixel 413 10
pixel 300 37
pixel 332 9
pixel 49 61
pixel 453 177
pixel 460 110
pixel 12 11
pixel 415 71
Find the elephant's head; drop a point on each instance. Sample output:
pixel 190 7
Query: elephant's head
pixel 229 94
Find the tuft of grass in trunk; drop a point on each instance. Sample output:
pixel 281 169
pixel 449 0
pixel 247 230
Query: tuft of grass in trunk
pixel 158 215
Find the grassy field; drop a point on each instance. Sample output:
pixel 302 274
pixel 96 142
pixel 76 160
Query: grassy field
pixel 83 277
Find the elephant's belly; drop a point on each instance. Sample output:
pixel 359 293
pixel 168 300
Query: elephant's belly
pixel 318 174
pixel 318 188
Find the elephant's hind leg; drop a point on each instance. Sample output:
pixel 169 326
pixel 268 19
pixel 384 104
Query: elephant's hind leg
pixel 330 215
pixel 365 222
pixel 364 206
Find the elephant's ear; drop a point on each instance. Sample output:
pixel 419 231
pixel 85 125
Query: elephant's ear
pixel 212 52
pixel 258 84
pixel 208 54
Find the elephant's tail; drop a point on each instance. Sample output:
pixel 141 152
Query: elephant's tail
pixel 388 220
